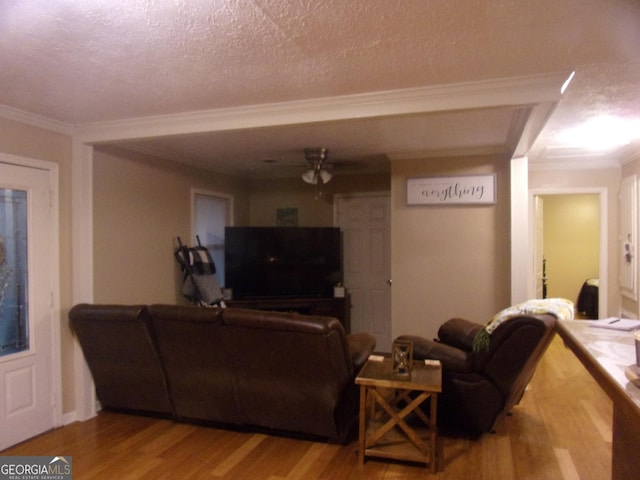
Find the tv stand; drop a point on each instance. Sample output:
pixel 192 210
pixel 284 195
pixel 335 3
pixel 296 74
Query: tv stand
pixel 339 308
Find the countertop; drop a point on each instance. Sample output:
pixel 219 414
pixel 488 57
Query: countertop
pixel 605 353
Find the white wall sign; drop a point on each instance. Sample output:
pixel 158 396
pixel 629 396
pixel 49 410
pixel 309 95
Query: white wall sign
pixel 465 189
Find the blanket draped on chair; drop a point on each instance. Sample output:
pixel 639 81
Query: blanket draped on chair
pixel 560 308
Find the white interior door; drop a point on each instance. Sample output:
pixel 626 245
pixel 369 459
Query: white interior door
pixel 27 337
pixel 365 223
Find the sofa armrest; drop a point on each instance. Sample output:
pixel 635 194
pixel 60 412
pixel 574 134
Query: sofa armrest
pixel 361 345
pixel 459 333
pixel 452 359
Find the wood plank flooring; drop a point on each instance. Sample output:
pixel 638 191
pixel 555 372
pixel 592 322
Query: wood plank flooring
pixel 560 431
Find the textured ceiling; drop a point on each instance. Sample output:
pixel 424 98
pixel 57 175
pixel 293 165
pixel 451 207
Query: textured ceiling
pixel 85 61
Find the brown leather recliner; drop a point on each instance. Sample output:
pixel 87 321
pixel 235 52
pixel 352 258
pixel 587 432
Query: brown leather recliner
pixel 120 351
pixel 479 388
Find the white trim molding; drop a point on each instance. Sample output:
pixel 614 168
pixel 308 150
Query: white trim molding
pixel 34 120
pixel 529 90
pixel 82 266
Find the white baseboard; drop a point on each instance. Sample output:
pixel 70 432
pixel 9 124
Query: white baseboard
pixel 69 417
pixel 72 417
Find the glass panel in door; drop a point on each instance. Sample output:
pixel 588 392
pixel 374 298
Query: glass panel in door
pixel 14 321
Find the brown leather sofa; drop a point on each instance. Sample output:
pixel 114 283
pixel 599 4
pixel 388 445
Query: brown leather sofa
pixel 282 372
pixel 479 388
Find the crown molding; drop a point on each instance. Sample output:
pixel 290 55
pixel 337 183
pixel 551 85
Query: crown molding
pixel 592 163
pixel 484 151
pixel 530 90
pixel 563 158
pixel 629 154
pixel 34 120
pixel 538 92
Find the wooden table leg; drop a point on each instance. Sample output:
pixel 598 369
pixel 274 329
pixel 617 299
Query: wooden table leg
pixel 363 423
pixel 434 433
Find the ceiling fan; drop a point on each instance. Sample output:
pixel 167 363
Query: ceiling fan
pixel 319 171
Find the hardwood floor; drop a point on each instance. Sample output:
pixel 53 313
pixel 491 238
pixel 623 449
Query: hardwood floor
pixel 560 431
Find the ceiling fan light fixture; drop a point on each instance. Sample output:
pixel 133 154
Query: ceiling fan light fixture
pixel 310 176
pixel 325 176
pixel 316 155
pixel 318 173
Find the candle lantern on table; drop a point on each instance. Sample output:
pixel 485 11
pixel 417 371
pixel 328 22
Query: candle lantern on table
pixel 402 354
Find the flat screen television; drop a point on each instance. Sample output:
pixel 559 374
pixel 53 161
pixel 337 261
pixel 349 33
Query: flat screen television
pixel 271 262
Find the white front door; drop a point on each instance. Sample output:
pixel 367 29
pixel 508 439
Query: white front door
pixel 365 223
pixel 27 368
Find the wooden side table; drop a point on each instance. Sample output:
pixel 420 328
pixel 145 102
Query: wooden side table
pixel 386 401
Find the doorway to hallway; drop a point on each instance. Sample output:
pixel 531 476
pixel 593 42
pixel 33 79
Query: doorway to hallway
pixel 568 249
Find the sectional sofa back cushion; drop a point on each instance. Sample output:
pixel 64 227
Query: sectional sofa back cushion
pixel 193 346
pixel 291 372
pixel 119 350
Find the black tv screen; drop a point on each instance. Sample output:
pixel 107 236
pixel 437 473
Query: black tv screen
pixel 282 261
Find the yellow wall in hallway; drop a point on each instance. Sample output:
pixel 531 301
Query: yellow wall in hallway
pixel 571 242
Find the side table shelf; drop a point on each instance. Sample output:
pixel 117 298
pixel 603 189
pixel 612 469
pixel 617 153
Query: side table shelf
pixel 394 445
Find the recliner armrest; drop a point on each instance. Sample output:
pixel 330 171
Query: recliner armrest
pixel 361 345
pixel 452 359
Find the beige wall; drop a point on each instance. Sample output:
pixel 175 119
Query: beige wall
pixel 448 261
pixel 268 196
pixel 141 204
pixel 27 141
pixel 590 180
pixel 571 242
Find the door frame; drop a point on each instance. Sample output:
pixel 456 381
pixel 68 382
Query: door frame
pixel 603 261
pixel 54 281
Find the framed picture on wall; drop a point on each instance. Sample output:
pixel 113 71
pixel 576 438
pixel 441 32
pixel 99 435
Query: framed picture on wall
pixel 287 217
pixel 461 190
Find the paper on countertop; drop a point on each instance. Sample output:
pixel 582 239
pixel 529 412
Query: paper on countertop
pixel 615 323
pixel 376 358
